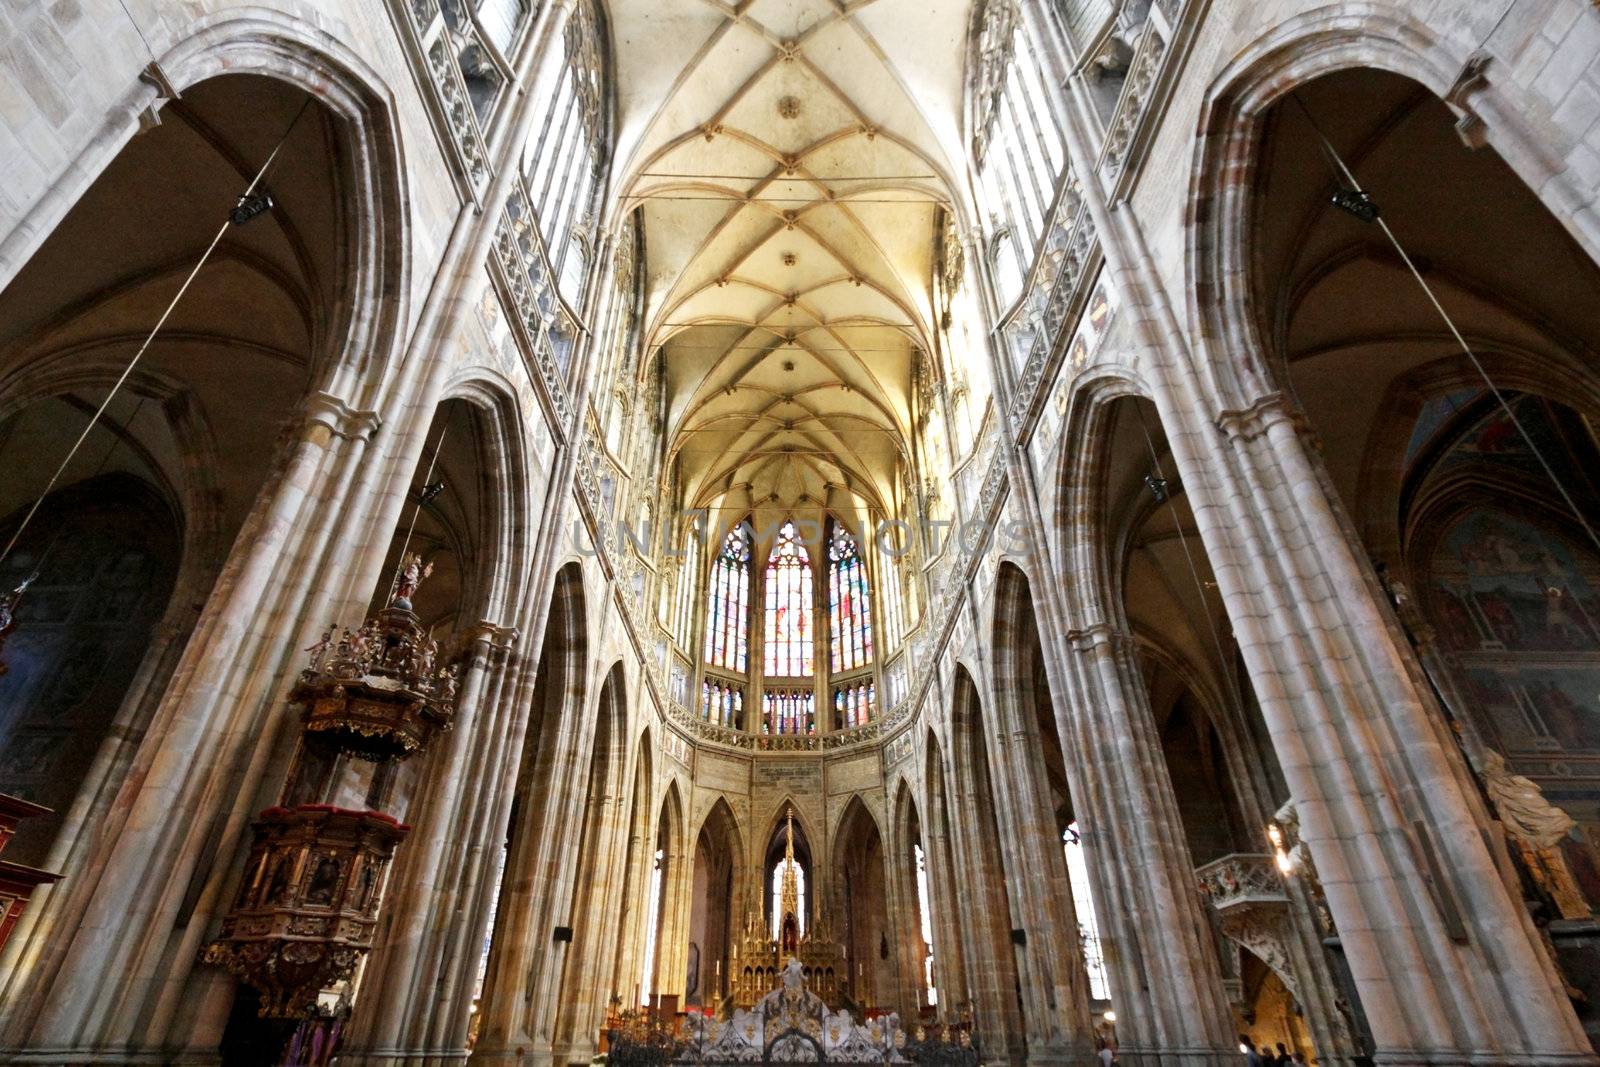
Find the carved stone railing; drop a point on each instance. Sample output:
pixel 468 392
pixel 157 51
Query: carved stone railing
pixel 443 36
pixel 541 320
pixel 1241 880
pixel 1037 327
pixel 705 730
pixel 1247 893
pixel 1132 117
pixel 1135 99
pixel 923 646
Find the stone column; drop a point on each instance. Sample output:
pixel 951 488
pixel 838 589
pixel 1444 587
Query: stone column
pixel 672 928
pixel 521 993
pixel 938 847
pixel 1447 962
pixel 626 909
pixel 1166 983
pixel 103 976
pixel 1051 961
pixel 986 909
pixel 598 964
pixel 901 889
pixel 415 997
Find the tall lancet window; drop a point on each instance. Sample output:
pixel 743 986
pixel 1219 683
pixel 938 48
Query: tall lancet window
pixel 849 605
pixel 1094 960
pixel 788 894
pixel 925 920
pixel 789 647
pixel 728 603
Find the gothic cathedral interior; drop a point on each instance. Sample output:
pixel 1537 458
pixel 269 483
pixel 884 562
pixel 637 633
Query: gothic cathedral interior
pixel 538 533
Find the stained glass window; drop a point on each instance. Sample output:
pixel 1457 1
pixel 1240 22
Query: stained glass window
pixel 722 703
pixel 728 603
pixel 893 616
pixel 789 711
pixel 853 705
pixel 688 590
pixel 789 650
pixel 849 607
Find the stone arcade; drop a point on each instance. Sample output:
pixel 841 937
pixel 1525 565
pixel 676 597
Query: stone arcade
pixel 954 529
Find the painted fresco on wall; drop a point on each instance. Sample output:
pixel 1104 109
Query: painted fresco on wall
pixel 1436 415
pixel 1491 437
pixel 1519 609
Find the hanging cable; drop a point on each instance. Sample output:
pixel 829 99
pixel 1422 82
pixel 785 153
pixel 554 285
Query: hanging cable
pixel 1159 488
pixel 1357 202
pixel 426 493
pixel 245 208
pixel 116 439
pixel 10 600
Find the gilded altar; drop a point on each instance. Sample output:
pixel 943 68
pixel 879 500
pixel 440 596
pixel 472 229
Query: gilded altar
pixel 758 961
pixel 758 964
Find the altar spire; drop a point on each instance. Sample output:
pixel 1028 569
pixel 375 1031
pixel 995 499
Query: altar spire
pixel 789 923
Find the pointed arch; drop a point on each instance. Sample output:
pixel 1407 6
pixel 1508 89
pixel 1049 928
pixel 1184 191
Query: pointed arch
pixel 807 845
pixel 603 858
pixel 993 972
pixel 666 901
pixel 560 680
pixel 859 873
pixel 718 877
pixel 916 939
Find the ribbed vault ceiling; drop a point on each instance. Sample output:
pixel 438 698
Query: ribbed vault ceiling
pixel 790 157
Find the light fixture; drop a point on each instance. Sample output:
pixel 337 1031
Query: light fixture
pixel 1110 1016
pixel 249 206
pixel 1280 856
pixel 1356 202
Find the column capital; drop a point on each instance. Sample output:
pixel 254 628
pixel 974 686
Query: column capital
pixel 339 418
pixel 492 635
pixel 1258 417
pixel 1100 634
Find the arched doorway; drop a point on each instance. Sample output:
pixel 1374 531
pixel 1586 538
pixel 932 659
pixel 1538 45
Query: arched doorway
pixel 1060 959
pixel 663 956
pixel 951 988
pixel 919 991
pixel 788 859
pixel 592 972
pixel 510 956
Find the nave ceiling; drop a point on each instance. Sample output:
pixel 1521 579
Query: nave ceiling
pixel 791 159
